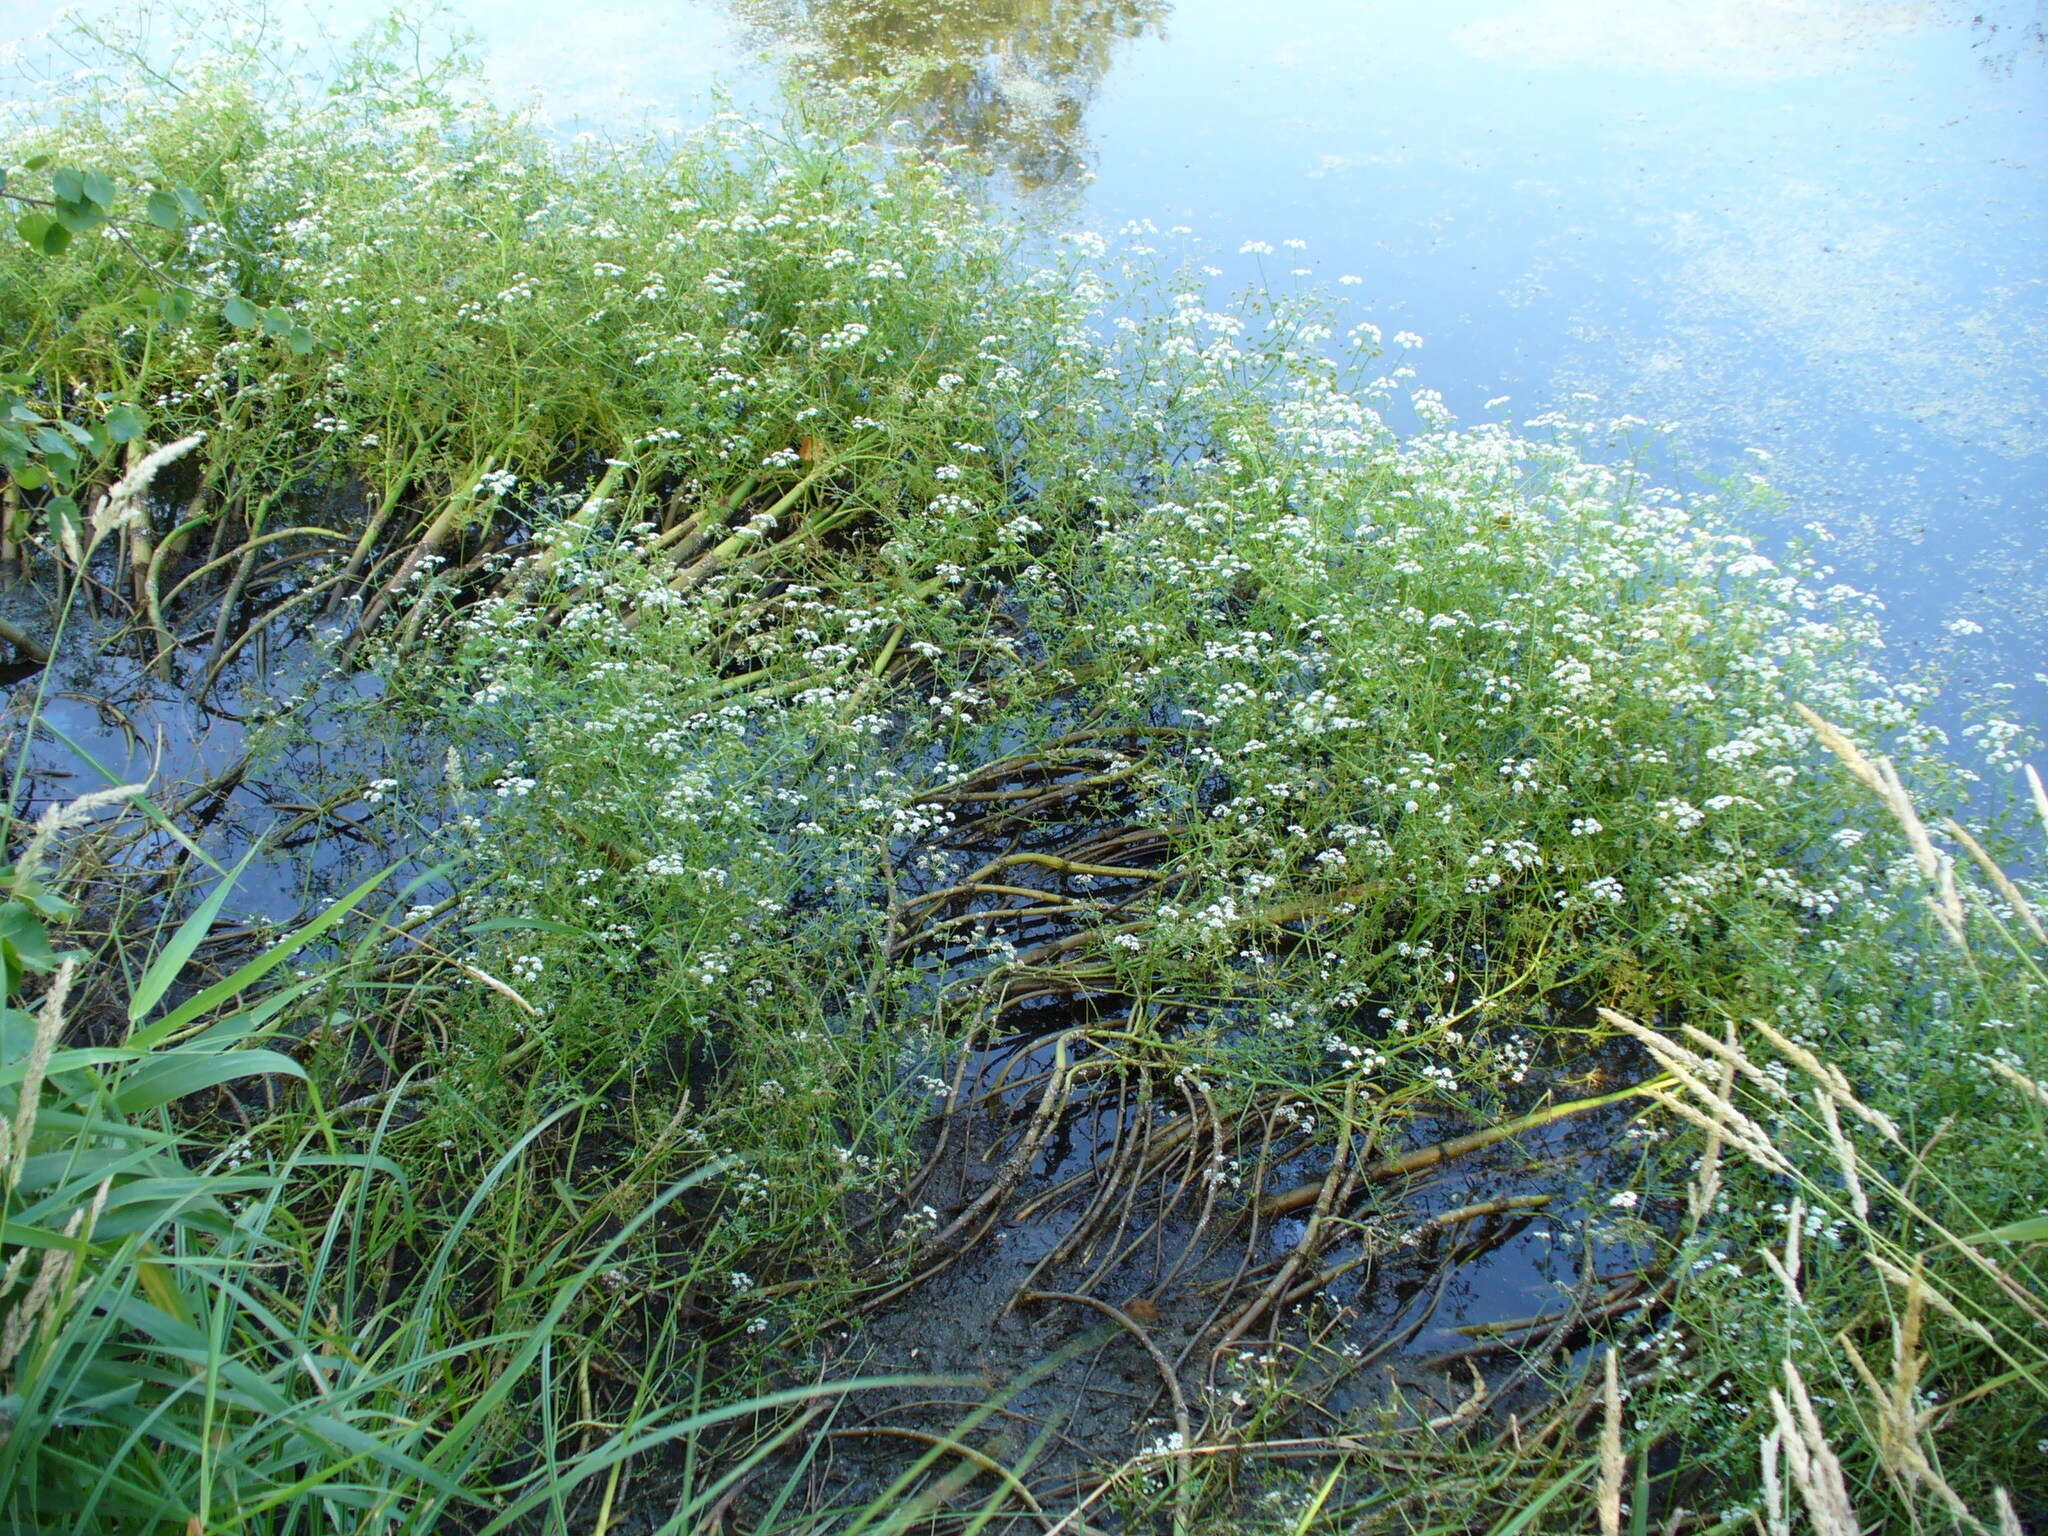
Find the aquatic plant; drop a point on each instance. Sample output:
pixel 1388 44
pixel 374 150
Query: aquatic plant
pixel 939 739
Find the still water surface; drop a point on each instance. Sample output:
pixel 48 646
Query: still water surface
pixel 1807 234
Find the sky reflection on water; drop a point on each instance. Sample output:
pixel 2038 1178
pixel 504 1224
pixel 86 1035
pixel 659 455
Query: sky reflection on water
pixel 1811 228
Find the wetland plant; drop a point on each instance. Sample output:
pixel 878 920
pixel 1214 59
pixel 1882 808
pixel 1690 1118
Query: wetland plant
pixel 1003 822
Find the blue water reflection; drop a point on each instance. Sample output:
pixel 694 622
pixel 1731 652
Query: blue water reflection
pixel 1811 229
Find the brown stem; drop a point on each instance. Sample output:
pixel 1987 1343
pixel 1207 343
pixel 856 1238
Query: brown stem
pixel 1443 1151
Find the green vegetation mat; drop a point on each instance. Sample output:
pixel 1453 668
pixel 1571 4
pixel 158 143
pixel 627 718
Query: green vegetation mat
pixel 1003 888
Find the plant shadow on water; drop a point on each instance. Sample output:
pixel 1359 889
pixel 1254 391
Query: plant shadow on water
pixel 1500 1260
pixel 275 755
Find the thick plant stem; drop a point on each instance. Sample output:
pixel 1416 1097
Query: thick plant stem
pixel 579 523
pixel 24 642
pixel 232 598
pixel 12 520
pixel 387 504
pixel 1443 1151
pixel 430 542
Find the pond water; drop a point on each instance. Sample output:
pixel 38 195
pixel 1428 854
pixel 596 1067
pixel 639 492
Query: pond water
pixel 1806 235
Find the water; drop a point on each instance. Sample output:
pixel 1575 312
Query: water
pixel 1806 234
pixel 289 799
pixel 1810 230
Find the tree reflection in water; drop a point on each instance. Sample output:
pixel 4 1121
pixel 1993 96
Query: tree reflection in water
pixel 1010 80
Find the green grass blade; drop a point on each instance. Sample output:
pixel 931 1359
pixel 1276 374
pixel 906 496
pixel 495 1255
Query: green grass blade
pixel 179 949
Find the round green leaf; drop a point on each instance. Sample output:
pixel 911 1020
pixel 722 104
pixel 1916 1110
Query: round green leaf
pixel 300 341
pixel 239 311
pixel 33 228
pixel 35 162
pixel 80 216
pixel 67 185
pixel 193 204
pixel 125 423
pixel 31 477
pixel 277 322
pixel 163 211
pixel 175 306
pixel 99 188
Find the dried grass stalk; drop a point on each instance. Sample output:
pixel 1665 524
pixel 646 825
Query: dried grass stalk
pixel 1610 1449
pixel 1816 1471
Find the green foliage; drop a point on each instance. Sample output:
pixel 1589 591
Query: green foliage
pixel 193 1335
pixel 41 447
pixel 844 633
